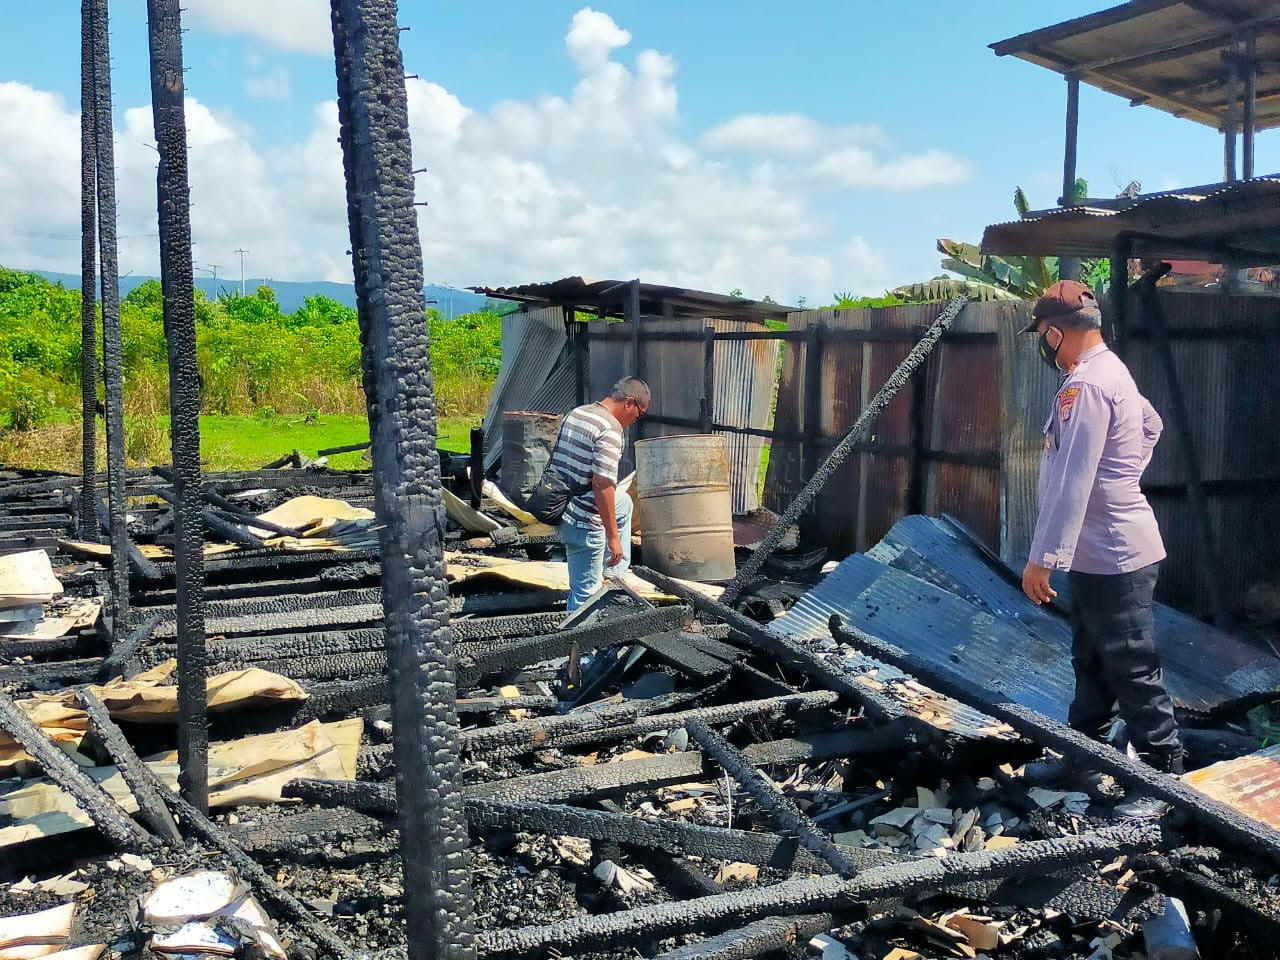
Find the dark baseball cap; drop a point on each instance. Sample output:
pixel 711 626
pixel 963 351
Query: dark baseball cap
pixel 1064 301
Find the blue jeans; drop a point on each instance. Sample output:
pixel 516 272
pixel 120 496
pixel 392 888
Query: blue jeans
pixel 584 548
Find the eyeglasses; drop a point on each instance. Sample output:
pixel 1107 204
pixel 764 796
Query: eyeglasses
pixel 640 411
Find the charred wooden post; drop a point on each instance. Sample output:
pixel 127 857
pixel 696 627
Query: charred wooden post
pixel 112 350
pixel 824 894
pixel 1250 834
pixel 852 437
pixel 174 205
pixel 87 513
pixel 151 806
pixel 116 825
pixel 123 660
pixel 785 814
pixel 387 259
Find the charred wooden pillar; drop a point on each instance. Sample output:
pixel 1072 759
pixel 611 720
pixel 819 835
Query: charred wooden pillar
pixel 1069 267
pixel 387 259
pixel 87 514
pixel 173 198
pixel 112 353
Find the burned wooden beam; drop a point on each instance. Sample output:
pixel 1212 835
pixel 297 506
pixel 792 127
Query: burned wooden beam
pixel 86 513
pixel 788 655
pixel 622 720
pixel 820 895
pixel 122 661
pixel 112 348
pixel 698 657
pixel 151 806
pixel 760 938
pixel 299 836
pixel 823 474
pixel 396 361
pixel 615 631
pixel 1231 823
pixel 107 815
pixel 777 806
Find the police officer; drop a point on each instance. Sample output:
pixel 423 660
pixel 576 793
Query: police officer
pixel 1095 523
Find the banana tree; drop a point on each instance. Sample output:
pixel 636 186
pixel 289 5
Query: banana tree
pixel 986 277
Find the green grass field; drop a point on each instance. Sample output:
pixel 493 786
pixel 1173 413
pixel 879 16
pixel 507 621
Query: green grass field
pixel 241 443
pixel 226 442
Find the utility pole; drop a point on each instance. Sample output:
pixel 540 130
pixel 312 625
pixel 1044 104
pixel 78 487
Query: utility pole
pixel 242 253
pixel 211 268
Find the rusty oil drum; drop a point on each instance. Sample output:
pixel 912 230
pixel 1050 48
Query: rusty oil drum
pixel 682 485
pixel 527 440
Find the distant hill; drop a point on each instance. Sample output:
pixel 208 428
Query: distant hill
pixel 289 295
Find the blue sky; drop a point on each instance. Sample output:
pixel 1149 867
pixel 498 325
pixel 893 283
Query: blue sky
pixel 792 151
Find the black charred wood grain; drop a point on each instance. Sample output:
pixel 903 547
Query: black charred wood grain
pixel 107 815
pixel 780 808
pixel 762 938
pixel 46 676
pixel 173 197
pixel 489 658
pixel 123 659
pixel 788 655
pixel 268 621
pixel 692 655
pixel 297 836
pixel 151 805
pixel 112 349
pixel 820 895
pixel 325 597
pixel 396 361
pixel 341 697
pixel 88 521
pixel 580 784
pixel 620 721
pixel 817 746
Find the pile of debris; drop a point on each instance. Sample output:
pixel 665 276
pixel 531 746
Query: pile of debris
pixel 654 775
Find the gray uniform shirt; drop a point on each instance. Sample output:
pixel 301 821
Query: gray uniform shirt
pixel 1098 440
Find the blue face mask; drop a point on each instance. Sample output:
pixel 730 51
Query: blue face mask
pixel 1050 354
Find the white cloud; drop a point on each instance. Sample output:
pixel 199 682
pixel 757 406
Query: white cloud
pixel 271 85
pixel 299 26
pixel 785 134
pixel 597 182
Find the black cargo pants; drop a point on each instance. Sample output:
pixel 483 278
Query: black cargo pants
pixel 1116 666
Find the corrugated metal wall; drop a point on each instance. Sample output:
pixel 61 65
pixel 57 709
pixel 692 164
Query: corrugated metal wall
pixel 951 408
pixel 536 367
pixel 1225 350
pixel 744 383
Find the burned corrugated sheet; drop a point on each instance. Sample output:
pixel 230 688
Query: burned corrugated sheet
pixel 930 589
pixel 1251 784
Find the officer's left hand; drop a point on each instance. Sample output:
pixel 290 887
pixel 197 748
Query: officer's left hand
pixel 1035 584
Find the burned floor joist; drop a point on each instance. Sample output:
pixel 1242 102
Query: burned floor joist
pixel 151 805
pixel 116 825
pixel 786 816
pixel 757 939
pixel 823 894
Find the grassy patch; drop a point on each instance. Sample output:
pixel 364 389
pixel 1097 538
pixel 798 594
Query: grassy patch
pixel 226 442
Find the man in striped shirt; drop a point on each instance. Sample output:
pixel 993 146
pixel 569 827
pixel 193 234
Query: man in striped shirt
pixel 597 524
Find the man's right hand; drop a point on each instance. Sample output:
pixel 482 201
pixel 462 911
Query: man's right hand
pixel 614 544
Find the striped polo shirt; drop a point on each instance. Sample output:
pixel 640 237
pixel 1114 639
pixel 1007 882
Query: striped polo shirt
pixel 590 443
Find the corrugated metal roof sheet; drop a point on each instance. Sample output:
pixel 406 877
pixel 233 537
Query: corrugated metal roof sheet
pixel 607 296
pixel 1251 784
pixel 1166 54
pixel 934 592
pixel 533 344
pixel 1241 218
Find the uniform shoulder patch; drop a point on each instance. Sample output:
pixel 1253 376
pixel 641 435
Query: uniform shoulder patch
pixel 1067 401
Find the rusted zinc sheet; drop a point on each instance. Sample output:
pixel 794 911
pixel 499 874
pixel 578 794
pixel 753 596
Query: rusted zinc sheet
pixel 1251 784
pixel 930 589
pixel 936 447
pixel 745 372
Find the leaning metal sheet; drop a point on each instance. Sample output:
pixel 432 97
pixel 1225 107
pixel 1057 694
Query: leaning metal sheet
pixel 1205 669
pixel 940 628
pixel 532 344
